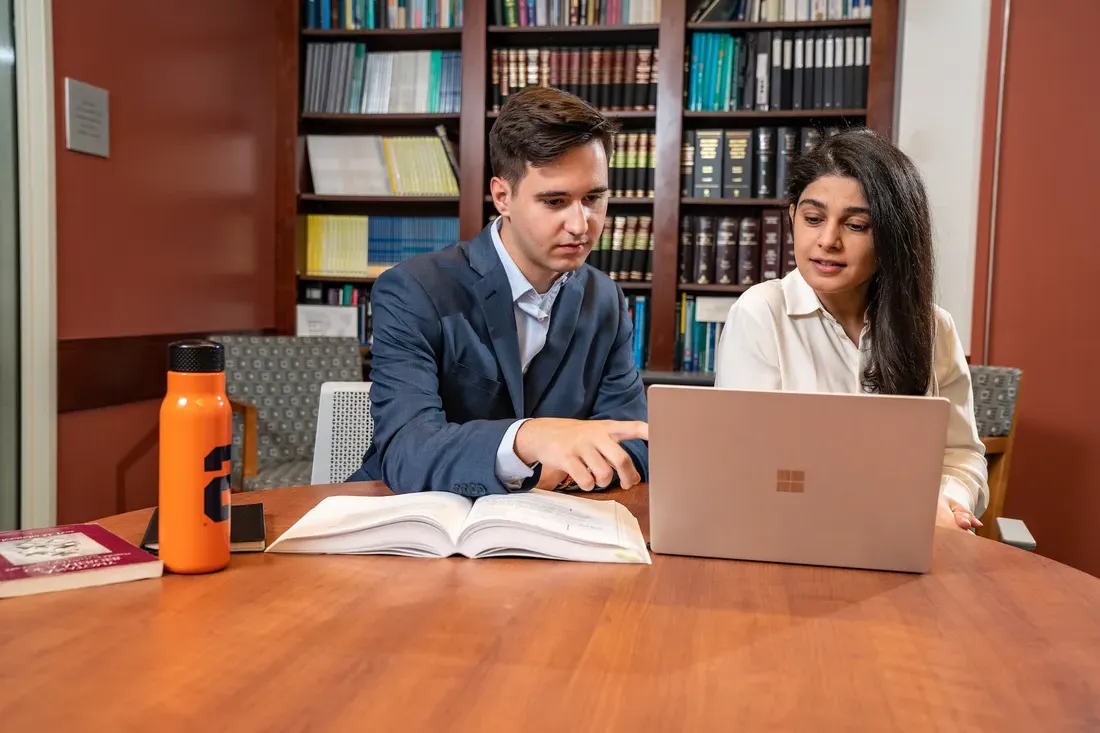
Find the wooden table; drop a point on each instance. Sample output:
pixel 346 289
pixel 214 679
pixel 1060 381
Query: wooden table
pixel 993 638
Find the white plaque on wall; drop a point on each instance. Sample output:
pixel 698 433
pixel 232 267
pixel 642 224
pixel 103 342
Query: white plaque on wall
pixel 87 119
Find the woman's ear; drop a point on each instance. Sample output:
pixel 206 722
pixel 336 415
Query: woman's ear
pixel 790 212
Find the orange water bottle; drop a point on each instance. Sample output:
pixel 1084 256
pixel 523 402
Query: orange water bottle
pixel 196 425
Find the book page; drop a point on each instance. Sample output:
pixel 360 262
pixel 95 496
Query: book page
pixel 340 515
pixel 586 521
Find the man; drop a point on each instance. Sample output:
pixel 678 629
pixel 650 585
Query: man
pixel 506 362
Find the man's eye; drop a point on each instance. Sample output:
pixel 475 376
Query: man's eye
pixel 593 197
pixel 553 203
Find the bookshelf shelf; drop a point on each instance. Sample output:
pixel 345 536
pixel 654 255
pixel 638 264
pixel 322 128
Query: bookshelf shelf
pixel 481 41
pixel 776 114
pixel 391 38
pixel 614 201
pixel 580 30
pixel 327 198
pixel 795 25
pixel 378 118
pixel 733 202
pixel 713 289
pixel 629 114
pixel 349 279
pixel 571 35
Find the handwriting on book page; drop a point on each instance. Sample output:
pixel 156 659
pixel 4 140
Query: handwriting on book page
pixel 585 520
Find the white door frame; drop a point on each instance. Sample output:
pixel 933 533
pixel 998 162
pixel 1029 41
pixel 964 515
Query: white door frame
pixel 34 86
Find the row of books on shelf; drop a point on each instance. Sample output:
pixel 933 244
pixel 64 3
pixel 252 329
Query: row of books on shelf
pixel 610 78
pixel 735 250
pixel 381 165
pixel 624 250
pixel 347 78
pixel 378 14
pixel 366 246
pixel 699 322
pixel 631 169
pixel 779 70
pixel 774 11
pixel 334 311
pixel 525 13
pixel 743 163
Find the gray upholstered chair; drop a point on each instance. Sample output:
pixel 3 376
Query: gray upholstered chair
pixel 996 395
pixel 274 384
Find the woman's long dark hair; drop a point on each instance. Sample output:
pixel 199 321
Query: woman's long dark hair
pixel 900 310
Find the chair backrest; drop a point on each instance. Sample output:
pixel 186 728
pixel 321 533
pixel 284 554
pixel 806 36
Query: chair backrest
pixel 995 391
pixel 345 429
pixel 282 377
pixel 996 398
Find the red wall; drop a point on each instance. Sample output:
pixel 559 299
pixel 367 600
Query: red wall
pixel 174 233
pixel 1045 315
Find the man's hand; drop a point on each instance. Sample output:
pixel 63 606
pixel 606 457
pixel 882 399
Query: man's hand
pixel 551 478
pixel 953 514
pixel 587 450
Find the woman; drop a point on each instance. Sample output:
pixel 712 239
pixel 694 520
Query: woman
pixel 857 314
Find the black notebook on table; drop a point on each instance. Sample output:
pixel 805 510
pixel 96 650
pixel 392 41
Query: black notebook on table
pixel 247 532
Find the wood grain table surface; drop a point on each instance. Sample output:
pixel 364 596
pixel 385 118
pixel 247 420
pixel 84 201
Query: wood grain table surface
pixel 991 639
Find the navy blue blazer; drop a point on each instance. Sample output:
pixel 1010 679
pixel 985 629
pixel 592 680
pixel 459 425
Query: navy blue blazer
pixel 446 373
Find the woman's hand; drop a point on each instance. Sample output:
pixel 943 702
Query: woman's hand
pixel 953 514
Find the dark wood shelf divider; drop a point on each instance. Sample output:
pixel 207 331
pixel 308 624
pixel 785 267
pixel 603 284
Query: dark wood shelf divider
pixel 776 114
pixel 369 34
pixel 389 117
pixel 713 289
pixel 580 30
pixel 380 199
pixel 353 279
pixel 672 35
pixel 733 202
pixel 625 114
pixel 773 25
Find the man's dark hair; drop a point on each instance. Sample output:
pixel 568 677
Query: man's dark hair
pixel 538 125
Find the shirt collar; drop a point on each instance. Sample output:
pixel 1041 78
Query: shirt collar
pixel 517 281
pixel 801 299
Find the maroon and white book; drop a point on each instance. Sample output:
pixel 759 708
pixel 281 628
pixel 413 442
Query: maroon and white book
pixel 69 556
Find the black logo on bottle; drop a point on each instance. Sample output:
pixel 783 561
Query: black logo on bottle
pixel 217 460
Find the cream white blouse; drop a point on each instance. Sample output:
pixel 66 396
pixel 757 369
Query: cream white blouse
pixel 778 336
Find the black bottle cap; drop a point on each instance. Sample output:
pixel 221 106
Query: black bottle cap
pixel 196 356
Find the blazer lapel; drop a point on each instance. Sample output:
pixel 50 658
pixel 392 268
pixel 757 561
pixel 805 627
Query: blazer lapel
pixel 495 299
pixel 563 322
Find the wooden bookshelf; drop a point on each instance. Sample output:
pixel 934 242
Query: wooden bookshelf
pixel 672 35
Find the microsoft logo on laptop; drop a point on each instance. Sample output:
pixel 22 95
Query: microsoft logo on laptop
pixel 790 481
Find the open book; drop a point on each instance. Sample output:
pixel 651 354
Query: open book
pixel 538 524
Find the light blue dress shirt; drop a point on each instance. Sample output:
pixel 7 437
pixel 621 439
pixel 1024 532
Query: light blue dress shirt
pixel 532 313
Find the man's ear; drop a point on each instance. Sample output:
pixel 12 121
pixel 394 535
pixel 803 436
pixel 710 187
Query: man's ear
pixel 501 191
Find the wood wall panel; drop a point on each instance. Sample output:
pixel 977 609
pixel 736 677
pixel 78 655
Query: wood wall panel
pixel 187 197
pixel 1044 315
pixel 174 233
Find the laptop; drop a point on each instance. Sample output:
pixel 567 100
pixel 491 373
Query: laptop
pixel 840 480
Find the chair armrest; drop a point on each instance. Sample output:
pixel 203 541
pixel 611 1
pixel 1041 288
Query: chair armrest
pixel 1014 532
pixel 248 442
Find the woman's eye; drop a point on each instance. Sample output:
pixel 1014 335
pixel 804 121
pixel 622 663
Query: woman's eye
pixel 812 220
pixel 856 226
